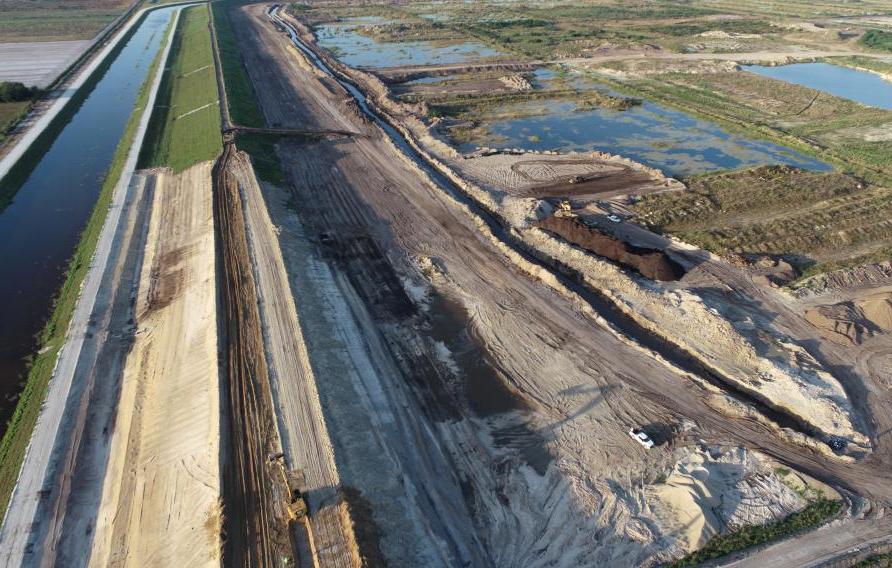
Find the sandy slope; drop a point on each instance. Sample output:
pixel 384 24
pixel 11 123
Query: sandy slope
pixel 160 503
pixel 302 427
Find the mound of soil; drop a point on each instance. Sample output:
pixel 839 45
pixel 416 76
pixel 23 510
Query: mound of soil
pixel 650 263
pixel 853 321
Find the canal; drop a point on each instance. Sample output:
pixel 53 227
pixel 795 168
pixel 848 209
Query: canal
pixel 40 229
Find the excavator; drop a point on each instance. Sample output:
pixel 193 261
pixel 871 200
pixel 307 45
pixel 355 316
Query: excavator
pixel 293 480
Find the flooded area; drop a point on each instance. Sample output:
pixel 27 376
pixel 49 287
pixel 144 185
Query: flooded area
pixel 861 86
pixel 40 229
pixel 672 141
pixel 357 50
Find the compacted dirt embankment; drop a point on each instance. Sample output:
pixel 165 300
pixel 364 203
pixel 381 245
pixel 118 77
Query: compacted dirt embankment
pixel 162 481
pixel 256 530
pixel 305 441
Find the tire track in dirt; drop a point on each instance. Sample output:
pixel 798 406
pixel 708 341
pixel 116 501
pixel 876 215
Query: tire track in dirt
pixel 256 530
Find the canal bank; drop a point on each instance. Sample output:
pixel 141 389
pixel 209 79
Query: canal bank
pixel 74 305
pixel 57 192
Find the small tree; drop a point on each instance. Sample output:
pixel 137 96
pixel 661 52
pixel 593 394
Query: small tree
pixel 11 92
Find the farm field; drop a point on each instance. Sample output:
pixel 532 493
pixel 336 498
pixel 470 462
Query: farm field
pixel 50 20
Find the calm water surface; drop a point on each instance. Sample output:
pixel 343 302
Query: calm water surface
pixel 670 140
pixel 357 50
pixel 861 86
pixel 40 229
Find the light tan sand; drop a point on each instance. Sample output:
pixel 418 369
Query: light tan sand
pixel 712 490
pixel 161 498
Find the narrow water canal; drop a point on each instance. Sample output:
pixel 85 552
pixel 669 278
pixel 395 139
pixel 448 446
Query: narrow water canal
pixel 40 229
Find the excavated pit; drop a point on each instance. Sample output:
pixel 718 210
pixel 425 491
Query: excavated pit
pixel 650 263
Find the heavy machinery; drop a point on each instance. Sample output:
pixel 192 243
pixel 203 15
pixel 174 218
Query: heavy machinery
pixel 296 507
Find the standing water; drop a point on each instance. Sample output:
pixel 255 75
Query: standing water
pixel 860 86
pixel 40 229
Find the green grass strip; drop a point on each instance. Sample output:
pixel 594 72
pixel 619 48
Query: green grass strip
pixel 817 512
pixel 18 432
pixel 243 109
pixel 185 125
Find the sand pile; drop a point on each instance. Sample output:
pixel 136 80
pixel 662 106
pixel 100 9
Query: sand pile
pixel 712 490
pixel 853 322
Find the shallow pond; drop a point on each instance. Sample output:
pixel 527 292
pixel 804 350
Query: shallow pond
pixel 861 86
pixel 41 227
pixel 672 141
pixel 358 50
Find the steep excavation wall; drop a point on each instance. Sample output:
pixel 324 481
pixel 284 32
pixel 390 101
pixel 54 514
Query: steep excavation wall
pixel 650 263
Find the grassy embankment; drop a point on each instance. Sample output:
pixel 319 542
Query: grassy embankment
pixel 185 124
pixel 243 107
pixel 10 114
pixel 816 512
pixel 18 432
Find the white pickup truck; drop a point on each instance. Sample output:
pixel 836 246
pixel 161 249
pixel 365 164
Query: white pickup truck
pixel 641 438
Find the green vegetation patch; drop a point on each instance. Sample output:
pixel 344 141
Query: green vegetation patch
pixel 262 149
pixel 15 439
pixel 817 512
pixel 688 29
pixel 10 114
pixel 243 108
pixel 877 39
pixel 15 102
pixel 875 561
pixel 15 92
pixel 185 124
pixel 817 221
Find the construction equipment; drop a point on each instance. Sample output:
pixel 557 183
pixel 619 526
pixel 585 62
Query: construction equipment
pixel 296 507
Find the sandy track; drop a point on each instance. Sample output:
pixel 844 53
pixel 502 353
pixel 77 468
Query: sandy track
pixel 305 439
pixel 161 496
pixel 254 495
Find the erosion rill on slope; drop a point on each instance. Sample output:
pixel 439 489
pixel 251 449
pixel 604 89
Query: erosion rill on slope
pixel 256 527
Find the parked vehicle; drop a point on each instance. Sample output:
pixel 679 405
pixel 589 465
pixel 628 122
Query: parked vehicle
pixel 642 438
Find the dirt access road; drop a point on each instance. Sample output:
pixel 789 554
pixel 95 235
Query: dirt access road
pixel 353 192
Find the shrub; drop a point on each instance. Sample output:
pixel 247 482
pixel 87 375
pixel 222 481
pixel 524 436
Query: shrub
pixel 14 92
